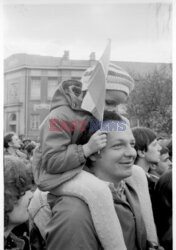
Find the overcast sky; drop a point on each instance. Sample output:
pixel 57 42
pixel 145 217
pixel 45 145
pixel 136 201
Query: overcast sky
pixel 138 32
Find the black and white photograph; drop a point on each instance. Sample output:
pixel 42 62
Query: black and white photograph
pixel 87 125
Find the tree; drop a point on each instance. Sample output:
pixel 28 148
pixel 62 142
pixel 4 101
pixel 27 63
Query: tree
pixel 151 100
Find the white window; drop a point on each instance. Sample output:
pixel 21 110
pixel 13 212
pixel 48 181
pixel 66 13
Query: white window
pixel 35 89
pixel 52 85
pixel 35 121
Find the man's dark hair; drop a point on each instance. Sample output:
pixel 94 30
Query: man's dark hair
pixel 8 138
pixel 143 137
pixel 108 116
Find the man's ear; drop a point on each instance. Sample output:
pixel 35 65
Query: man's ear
pixel 141 153
pixel 153 166
pixel 10 143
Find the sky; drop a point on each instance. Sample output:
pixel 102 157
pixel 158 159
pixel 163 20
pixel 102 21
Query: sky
pixel 138 32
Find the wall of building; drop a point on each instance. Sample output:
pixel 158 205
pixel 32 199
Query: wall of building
pixel 14 101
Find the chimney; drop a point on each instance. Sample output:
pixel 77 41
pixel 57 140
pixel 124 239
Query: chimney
pixel 92 56
pixel 66 55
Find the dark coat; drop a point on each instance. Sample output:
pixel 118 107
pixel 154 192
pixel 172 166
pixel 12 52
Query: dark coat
pixel 18 239
pixel 162 207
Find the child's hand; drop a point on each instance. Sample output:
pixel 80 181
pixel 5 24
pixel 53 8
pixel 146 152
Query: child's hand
pixel 96 142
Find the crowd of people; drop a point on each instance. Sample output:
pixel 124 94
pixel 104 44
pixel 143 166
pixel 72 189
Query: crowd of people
pixel 109 188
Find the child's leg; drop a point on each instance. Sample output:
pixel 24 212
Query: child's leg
pixel 98 197
pixel 45 181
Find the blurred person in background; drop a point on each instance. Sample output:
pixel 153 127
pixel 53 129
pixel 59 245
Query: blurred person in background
pixel 12 145
pixel 29 148
pixel 163 165
pixel 18 182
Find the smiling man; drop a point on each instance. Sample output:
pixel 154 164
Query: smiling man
pixel 72 227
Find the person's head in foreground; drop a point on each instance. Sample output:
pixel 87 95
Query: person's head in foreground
pixel 17 192
pixel 147 147
pixel 119 85
pixel 114 162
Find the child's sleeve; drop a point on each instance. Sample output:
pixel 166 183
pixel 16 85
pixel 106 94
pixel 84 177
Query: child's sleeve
pixel 59 154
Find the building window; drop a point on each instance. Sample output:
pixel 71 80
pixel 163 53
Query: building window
pixel 12 117
pixel 35 90
pixel 12 122
pixel 52 85
pixel 13 92
pixel 35 121
pixel 12 128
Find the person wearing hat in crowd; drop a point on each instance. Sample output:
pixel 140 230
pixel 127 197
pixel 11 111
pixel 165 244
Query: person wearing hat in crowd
pixel 59 159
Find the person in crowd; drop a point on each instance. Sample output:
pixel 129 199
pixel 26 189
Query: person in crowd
pixel 59 158
pixel 18 182
pixel 12 145
pixel 29 148
pixel 148 153
pixel 156 170
pixel 72 223
pixel 163 209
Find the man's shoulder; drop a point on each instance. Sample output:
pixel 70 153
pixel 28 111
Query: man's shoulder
pixel 138 175
pixel 75 209
pixel 71 226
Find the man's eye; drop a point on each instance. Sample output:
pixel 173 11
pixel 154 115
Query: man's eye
pixel 132 144
pixel 117 146
pixel 109 102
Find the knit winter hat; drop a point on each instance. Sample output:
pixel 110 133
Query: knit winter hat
pixel 117 79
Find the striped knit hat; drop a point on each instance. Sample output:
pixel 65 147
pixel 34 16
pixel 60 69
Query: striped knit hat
pixel 117 79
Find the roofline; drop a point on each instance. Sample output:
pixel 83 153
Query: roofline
pixel 44 67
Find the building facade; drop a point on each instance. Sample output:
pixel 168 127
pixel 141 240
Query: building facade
pixel 30 81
